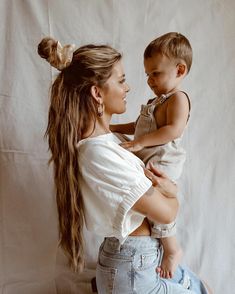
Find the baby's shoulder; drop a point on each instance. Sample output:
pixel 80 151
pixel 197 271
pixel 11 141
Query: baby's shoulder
pixel 179 98
pixel 178 95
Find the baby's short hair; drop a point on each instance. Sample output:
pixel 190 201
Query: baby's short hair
pixel 173 45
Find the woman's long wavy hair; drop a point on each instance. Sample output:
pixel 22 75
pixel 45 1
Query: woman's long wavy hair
pixel 71 111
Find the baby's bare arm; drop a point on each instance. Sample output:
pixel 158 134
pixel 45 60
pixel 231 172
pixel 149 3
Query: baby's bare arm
pixel 177 112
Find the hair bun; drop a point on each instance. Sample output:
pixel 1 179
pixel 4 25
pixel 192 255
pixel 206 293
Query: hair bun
pixel 58 56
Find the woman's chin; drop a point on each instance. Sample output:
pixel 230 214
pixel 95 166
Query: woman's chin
pixel 121 110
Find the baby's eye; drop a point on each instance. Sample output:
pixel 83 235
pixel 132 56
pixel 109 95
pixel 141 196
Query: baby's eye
pixel 152 74
pixel 155 73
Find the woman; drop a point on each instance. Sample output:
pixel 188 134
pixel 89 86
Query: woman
pixel 100 182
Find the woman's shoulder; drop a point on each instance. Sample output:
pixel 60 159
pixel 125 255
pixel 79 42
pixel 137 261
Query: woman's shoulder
pixel 105 140
pixel 99 147
pixel 106 149
pixel 100 141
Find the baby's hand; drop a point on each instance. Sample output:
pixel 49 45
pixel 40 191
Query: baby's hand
pixel 133 146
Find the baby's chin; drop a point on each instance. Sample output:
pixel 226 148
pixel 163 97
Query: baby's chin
pixel 158 94
pixel 154 91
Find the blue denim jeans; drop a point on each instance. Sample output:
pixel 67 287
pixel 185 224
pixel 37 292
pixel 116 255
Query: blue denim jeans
pixel 130 268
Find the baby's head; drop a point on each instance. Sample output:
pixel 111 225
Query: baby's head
pixel 167 60
pixel 172 45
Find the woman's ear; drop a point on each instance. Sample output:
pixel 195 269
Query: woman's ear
pixel 181 69
pixel 95 92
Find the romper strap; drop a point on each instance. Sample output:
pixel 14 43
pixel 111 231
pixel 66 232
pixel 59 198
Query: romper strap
pixel 161 99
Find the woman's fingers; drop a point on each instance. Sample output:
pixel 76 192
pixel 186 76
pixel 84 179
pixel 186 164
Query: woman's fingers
pixel 151 176
pixel 156 171
pixel 167 187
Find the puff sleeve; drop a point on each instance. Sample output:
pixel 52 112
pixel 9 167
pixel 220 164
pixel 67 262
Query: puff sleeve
pixel 112 180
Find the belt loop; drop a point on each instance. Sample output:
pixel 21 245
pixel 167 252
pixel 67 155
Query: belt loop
pixel 119 246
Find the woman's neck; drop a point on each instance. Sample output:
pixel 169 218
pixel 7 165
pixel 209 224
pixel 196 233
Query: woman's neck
pixel 101 127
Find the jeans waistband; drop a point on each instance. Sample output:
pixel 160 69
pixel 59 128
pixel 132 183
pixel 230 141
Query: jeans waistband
pixel 131 244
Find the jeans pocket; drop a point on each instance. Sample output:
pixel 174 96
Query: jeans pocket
pixel 148 260
pixel 105 278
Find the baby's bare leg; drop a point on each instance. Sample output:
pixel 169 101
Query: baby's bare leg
pixel 171 257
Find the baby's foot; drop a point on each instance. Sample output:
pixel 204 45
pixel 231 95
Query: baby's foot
pixel 169 264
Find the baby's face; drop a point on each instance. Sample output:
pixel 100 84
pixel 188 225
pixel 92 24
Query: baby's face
pixel 162 74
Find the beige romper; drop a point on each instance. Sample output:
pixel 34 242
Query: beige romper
pixel 169 157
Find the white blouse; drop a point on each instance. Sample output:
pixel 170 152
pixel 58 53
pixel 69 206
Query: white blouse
pixel 111 181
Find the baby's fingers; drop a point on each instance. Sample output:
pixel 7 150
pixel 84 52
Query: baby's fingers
pixel 127 145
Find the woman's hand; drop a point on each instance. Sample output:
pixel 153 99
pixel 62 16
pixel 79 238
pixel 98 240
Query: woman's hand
pixel 160 180
pixel 159 203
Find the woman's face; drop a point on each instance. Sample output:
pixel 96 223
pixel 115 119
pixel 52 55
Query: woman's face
pixel 115 90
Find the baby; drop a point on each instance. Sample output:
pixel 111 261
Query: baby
pixel 159 128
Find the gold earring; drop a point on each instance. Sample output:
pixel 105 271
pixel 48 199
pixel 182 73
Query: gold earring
pixel 100 109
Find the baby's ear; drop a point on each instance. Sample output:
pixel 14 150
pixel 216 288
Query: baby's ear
pixel 181 69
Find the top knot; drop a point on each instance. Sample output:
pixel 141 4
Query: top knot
pixel 58 56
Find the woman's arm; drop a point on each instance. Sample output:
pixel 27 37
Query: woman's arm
pixel 127 129
pixel 159 203
pixel 157 207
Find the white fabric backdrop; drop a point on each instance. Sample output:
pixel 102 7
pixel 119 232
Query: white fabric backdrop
pixel 30 262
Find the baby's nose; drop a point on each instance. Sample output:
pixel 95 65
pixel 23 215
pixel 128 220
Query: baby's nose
pixel 150 81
